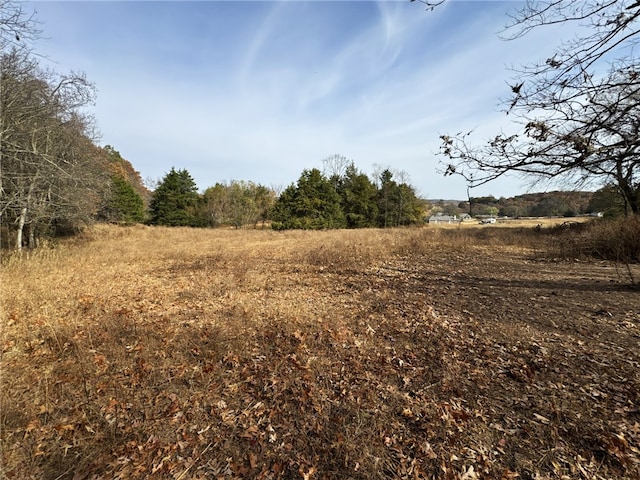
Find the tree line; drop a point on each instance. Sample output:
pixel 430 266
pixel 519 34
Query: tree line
pixel 343 199
pixel 347 199
pixel 604 201
pixel 578 112
pixel 51 176
pixel 55 179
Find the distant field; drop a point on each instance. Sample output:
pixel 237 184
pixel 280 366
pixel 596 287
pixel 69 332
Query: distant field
pixel 416 353
pixel 517 222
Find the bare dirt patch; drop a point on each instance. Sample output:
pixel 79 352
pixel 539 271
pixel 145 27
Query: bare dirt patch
pixel 159 353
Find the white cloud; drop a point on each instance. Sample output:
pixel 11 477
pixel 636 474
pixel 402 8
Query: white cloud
pixel 262 91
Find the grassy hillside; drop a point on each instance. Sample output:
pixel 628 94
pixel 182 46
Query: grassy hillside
pixel 468 353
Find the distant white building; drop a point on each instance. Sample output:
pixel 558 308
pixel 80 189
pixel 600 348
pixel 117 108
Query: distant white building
pixel 440 218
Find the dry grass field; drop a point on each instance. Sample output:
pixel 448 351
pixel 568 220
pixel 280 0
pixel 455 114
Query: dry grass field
pixel 428 353
pixel 527 222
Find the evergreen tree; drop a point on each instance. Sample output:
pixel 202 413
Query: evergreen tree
pixel 174 201
pixel 283 216
pixel 410 208
pixel 358 196
pixel 312 203
pixel 387 200
pixel 125 204
pixel 397 203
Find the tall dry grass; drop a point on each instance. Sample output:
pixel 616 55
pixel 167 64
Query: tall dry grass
pixel 614 240
pixel 106 333
pixel 129 352
pixel 105 337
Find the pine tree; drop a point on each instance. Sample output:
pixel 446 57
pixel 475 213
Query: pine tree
pixel 397 203
pixel 125 204
pixel 358 195
pixel 312 203
pixel 174 200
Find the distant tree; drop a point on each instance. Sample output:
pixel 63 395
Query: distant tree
pixel 174 201
pixel 608 201
pixel 489 200
pixel 284 213
pixel 358 198
pixel 124 203
pixel 334 168
pixel 124 169
pixel 312 203
pixel 397 203
pixel 249 203
pixel 387 199
pixel 410 208
pixel 242 207
pixel 213 206
pixel 493 211
pixel 265 199
pixel 485 209
pixel 508 211
pixel 549 206
pixel 451 208
pixel 237 204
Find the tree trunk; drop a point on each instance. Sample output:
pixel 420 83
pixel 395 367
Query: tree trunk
pixel 634 203
pixel 21 222
pixel 33 243
pixel 631 197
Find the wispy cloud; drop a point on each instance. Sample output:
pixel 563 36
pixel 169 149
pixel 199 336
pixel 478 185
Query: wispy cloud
pixel 260 91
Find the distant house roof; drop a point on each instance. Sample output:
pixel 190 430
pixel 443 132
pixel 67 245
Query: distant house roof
pixel 439 218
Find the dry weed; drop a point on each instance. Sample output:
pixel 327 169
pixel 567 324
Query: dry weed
pixel 139 352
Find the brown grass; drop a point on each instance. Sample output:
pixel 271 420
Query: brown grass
pixel 139 352
pixel 616 240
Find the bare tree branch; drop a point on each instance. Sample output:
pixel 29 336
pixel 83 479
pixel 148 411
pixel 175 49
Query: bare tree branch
pixel 588 140
pixel 17 25
pixel 578 110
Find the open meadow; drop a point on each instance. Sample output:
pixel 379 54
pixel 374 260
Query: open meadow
pixel 453 353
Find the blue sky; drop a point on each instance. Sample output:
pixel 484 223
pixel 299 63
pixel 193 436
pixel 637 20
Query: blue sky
pixel 262 90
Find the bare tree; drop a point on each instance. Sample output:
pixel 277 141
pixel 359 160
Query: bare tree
pixel 334 168
pixel 590 139
pixel 431 4
pixel 50 174
pixel 605 43
pixel 17 26
pixel 576 109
